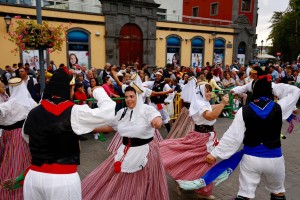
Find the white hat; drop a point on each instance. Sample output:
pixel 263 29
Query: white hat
pixel 120 73
pixel 158 73
pixel 235 69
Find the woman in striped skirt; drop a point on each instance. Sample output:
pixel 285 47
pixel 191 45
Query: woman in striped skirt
pixel 135 78
pixel 135 170
pixel 14 151
pixel 184 158
pixel 177 130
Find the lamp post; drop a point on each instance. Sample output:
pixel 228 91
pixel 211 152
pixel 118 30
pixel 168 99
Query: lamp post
pixel 262 45
pixel 7 20
pixel 41 49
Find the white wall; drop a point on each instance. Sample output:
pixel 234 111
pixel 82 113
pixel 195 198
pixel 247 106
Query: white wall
pixel 174 9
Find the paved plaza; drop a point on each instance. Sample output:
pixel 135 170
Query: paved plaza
pixel 93 152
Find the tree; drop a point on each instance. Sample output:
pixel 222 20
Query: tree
pixel 285 32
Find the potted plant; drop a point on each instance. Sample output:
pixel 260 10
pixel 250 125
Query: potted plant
pixel 30 35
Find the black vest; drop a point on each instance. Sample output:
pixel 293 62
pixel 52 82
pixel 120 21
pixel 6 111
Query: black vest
pixel 158 88
pixel 262 131
pixel 30 86
pixel 52 139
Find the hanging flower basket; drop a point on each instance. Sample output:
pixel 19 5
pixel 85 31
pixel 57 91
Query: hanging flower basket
pixel 29 35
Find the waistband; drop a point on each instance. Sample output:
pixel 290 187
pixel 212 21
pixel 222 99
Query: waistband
pixel 55 168
pixel 18 124
pixel 204 128
pixel 262 151
pixel 186 104
pixel 134 142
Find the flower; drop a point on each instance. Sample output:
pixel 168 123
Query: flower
pixel 29 35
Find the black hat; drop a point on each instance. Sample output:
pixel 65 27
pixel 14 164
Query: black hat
pixel 257 70
pixel 59 84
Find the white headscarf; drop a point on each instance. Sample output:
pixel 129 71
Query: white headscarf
pixel 137 110
pixel 188 90
pixel 20 95
pixel 199 100
pixel 18 105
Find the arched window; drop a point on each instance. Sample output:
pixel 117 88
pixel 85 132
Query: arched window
pixel 219 50
pixel 197 52
pixel 241 53
pixel 78 48
pixel 173 50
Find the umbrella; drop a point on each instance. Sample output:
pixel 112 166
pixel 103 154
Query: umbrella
pixel 267 56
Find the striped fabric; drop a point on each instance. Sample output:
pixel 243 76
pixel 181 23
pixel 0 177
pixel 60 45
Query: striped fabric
pixel 117 141
pixel 184 158
pixel 15 157
pixel 179 130
pixel 147 184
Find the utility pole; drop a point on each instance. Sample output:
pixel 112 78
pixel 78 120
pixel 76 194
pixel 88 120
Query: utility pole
pixel 41 49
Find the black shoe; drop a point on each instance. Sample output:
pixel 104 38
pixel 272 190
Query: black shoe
pixel 82 138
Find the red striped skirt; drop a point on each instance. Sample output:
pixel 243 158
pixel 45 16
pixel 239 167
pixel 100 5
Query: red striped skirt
pixel 147 184
pixel 179 130
pixel 117 141
pixel 184 158
pixel 15 157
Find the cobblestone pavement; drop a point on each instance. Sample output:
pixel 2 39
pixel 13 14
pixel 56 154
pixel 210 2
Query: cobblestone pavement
pixel 93 152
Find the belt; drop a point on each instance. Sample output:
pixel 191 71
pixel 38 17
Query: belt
pixel 55 168
pixel 186 104
pixel 204 128
pixel 134 142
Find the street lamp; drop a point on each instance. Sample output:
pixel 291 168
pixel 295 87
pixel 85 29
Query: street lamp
pixel 262 44
pixel 7 20
pixel 212 37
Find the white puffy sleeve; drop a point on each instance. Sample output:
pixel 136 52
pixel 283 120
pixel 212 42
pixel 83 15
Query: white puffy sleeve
pixel 288 97
pixel 170 95
pixel 243 89
pixel 151 113
pixel 84 119
pixel 232 138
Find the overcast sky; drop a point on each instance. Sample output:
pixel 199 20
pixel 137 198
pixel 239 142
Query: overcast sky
pixel 265 13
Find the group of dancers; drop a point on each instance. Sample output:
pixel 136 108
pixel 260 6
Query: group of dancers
pixel 136 169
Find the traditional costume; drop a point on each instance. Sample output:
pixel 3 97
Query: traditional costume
pixel 135 170
pixel 184 123
pixel 257 126
pixel 184 158
pixel 14 151
pixel 52 129
pixel 158 102
pixel 145 92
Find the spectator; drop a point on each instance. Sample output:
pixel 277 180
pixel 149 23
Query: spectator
pixel 228 82
pixel 108 87
pixel 30 72
pixel 274 73
pixel 144 68
pixel 80 93
pixel 289 78
pixel 105 72
pixel 30 83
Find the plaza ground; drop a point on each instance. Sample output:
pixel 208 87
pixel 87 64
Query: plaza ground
pixel 93 152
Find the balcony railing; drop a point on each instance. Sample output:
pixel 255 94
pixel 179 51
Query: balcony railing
pixel 193 20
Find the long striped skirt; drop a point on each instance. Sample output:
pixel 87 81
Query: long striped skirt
pixel 147 184
pixel 182 126
pixel 15 157
pixel 184 158
pixel 117 141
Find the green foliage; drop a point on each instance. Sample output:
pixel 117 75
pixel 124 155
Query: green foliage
pixel 30 35
pixel 285 34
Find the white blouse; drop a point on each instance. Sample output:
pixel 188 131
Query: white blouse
pixel 200 120
pixel 139 126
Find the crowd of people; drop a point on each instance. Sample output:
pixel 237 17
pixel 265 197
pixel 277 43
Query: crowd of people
pixel 42 140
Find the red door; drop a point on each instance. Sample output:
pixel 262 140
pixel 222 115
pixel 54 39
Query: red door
pixel 131 45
